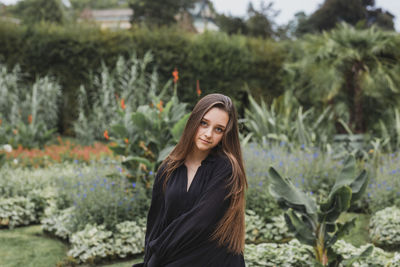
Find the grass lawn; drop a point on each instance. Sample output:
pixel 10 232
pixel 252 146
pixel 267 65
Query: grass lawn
pixel 30 247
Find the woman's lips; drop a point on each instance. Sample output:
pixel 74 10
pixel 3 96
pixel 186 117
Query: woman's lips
pixel 204 141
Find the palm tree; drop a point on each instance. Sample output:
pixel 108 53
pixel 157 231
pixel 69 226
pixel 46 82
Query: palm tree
pixel 356 71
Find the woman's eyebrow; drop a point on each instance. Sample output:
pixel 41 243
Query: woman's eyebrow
pixel 219 125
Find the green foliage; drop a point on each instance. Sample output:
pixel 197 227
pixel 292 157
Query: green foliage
pixel 292 254
pixel 384 228
pixel 311 170
pixel 127 86
pixel 258 23
pixel 95 242
pixel 72 52
pixel 101 195
pixel 285 121
pixel 384 188
pixel 58 222
pixel 353 71
pixel 91 243
pixel 34 11
pixel 29 113
pixel 16 211
pixel 158 12
pixel 149 135
pixel 316 225
pixel 354 256
pixel 129 238
pixel 354 12
pixel 259 231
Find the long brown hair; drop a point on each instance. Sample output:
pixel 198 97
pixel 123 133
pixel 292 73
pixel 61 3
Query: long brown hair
pixel 230 230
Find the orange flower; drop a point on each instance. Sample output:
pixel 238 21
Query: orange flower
pixel 106 135
pixel 126 141
pixel 123 104
pixel 30 118
pixel 0 121
pixel 15 131
pixel 175 73
pixel 160 106
pixel 198 90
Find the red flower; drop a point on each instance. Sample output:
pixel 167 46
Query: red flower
pixel 198 90
pixel 175 73
pixel 106 135
pixel 126 141
pixel 160 106
pixel 123 104
pixel 30 118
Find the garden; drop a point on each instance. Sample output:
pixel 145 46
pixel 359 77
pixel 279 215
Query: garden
pixel 319 129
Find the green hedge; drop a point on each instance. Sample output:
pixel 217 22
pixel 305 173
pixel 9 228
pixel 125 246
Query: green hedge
pixel 221 63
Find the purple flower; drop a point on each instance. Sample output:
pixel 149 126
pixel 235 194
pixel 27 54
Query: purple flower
pixel 133 184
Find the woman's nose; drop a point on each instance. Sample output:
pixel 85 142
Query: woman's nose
pixel 208 132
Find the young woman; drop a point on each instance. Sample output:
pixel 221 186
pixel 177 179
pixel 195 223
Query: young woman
pixel 196 217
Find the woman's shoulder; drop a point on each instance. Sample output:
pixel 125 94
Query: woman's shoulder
pixel 221 165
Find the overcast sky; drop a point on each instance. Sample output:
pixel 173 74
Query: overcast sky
pixel 287 7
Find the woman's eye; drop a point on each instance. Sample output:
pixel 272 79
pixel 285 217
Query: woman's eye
pixel 203 123
pixel 219 130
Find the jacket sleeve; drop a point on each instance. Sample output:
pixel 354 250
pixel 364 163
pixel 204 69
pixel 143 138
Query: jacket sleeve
pixel 197 224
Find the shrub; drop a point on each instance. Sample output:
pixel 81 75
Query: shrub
pixel 58 222
pixel 378 257
pixel 92 243
pixel 124 88
pixel 71 53
pixel 95 242
pixel 384 228
pixel 311 170
pixel 16 211
pixel 292 254
pixel 28 112
pixel 384 188
pixel 258 230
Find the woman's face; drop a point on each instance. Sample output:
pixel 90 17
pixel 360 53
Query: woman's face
pixel 211 129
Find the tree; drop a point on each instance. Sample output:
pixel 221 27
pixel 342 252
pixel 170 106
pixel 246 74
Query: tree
pixel 158 12
pixel 231 24
pixel 259 23
pixel 354 12
pixel 355 71
pixel 33 11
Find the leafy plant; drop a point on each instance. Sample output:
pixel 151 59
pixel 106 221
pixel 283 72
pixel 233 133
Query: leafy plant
pixel 286 121
pixel 29 112
pixel 378 257
pixel 384 228
pixel 149 135
pixel 16 211
pixel 292 254
pixel 59 223
pixel 125 87
pixel 313 224
pixel 258 231
pixel 353 71
pixel 95 242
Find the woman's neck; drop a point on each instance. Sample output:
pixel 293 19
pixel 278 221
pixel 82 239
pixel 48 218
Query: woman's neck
pixel 196 157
